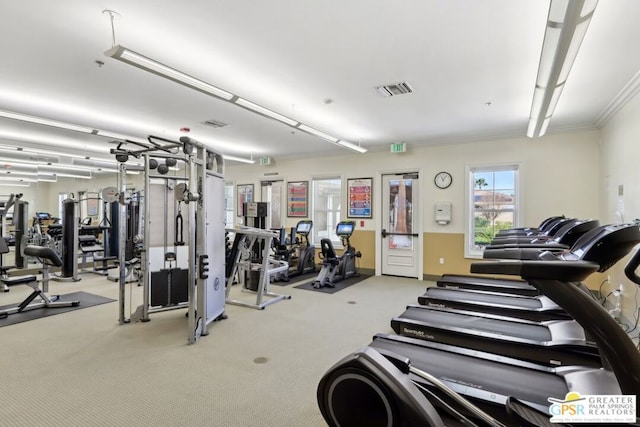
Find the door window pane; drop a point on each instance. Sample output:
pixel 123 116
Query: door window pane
pixel 400 213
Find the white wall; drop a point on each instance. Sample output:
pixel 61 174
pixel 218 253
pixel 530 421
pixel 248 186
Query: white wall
pixel 36 194
pixel 620 155
pixel 560 174
pixel 620 152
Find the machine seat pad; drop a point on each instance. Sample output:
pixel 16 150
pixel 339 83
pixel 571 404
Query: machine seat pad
pixel 92 248
pixel 44 253
pixel 104 258
pixel 17 280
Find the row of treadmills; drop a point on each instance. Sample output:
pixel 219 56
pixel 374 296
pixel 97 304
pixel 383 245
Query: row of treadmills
pixel 493 351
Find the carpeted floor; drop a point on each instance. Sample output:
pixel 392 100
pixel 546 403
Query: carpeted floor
pixel 256 368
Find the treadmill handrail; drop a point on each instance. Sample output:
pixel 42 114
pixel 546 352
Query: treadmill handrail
pixel 480 414
pixel 631 267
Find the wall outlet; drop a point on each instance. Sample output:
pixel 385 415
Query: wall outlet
pixel 441 260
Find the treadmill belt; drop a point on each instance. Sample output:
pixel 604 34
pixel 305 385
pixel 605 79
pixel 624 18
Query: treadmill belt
pixel 472 373
pixel 483 298
pixel 445 319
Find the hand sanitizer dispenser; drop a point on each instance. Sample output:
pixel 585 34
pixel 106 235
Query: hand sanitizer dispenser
pixel 443 213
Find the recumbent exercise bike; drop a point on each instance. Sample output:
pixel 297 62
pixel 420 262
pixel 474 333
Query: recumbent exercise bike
pixel 336 268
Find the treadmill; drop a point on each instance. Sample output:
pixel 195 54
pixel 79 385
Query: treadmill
pixel 491 381
pixel 604 245
pixel 550 343
pixel 544 225
pixel 566 238
pixel 548 232
pixel 538 307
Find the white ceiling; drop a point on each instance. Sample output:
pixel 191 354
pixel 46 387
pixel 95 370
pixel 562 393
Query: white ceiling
pixel 292 56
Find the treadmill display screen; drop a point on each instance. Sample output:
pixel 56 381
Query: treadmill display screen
pixel 303 227
pixel 345 229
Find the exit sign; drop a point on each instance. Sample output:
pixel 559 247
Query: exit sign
pixel 265 161
pixel 399 147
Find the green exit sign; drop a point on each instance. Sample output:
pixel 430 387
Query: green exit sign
pixel 265 161
pixel 399 147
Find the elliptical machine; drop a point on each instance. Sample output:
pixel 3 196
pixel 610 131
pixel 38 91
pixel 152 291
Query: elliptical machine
pixel 298 253
pixel 302 250
pixel 336 268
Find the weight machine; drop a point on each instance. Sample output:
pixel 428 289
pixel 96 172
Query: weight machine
pixel 202 192
pixel 4 211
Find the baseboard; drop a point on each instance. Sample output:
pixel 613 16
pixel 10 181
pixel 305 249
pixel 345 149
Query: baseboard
pixel 366 271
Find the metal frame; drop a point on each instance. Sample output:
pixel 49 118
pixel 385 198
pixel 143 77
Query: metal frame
pixel 205 169
pixel 268 267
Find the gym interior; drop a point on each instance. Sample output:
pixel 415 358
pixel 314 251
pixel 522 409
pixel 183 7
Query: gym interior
pixel 286 215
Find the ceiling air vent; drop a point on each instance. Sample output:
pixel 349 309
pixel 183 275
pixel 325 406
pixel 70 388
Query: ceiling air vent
pixel 215 124
pixel 394 89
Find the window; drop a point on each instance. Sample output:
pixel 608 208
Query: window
pixel 228 204
pixel 327 206
pixel 272 194
pixel 493 204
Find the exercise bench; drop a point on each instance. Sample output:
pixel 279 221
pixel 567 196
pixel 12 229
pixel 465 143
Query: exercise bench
pixel 49 258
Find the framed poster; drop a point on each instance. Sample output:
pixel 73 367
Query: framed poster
pixel 359 194
pixel 297 199
pixel 245 194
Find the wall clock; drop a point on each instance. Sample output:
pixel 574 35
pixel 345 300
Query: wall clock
pixel 442 179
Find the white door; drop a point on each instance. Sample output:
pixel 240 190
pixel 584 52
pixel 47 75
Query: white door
pixel 400 225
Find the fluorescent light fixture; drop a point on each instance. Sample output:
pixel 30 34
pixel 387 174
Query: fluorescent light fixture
pixel 49 152
pixel 316 132
pixel 17 179
pixel 47 179
pixel 237 159
pixel 14 184
pixel 130 57
pixel 21 163
pixel 22 175
pixel 72 175
pixel 352 146
pixel 265 112
pixel 43 121
pixel 567 24
pixel 28 156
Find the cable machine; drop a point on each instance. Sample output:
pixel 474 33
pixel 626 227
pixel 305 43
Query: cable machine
pixel 200 201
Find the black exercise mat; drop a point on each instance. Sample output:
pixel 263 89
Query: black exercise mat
pixel 298 279
pixel 337 286
pixel 86 300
